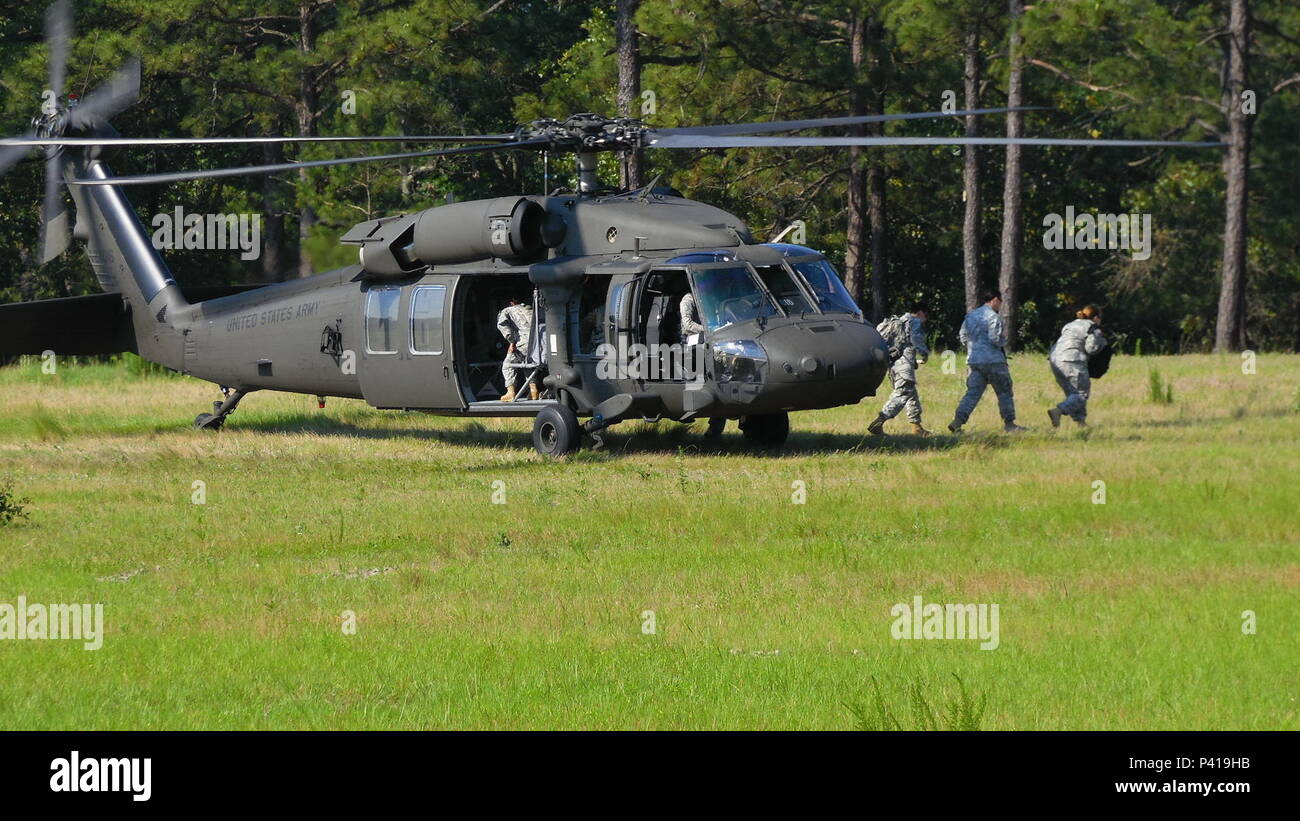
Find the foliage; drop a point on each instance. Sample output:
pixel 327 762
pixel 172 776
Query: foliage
pixel 1144 69
pixel 11 506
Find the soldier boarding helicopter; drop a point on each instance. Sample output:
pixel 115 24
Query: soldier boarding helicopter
pixel 411 326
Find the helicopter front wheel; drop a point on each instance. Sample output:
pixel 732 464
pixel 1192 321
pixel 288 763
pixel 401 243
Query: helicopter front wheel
pixel 766 429
pixel 556 432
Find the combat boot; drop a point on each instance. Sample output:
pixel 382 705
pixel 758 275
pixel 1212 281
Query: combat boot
pixel 1012 427
pixel 877 428
pixel 510 394
pixel 533 391
pixel 1054 414
pixel 917 430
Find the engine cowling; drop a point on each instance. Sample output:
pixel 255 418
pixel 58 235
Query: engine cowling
pixel 508 228
pixel 516 229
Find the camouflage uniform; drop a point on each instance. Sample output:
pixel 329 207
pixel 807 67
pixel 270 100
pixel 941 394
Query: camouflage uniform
pixel 1069 361
pixel 515 322
pixel 982 334
pixel 903 374
pixel 690 317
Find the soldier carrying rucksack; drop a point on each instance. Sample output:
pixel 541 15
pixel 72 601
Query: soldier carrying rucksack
pixel 905 336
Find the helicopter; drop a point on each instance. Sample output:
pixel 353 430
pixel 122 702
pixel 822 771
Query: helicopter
pixel 412 325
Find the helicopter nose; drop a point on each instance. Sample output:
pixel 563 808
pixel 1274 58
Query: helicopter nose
pixel 843 359
pixel 826 350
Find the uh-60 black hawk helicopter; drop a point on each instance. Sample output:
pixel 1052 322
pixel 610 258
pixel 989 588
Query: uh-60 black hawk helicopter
pixel 413 325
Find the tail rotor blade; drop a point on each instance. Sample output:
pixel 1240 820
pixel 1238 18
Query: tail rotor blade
pixel 58 34
pixel 55 231
pixel 11 154
pixel 112 97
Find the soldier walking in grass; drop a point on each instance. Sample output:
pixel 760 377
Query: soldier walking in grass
pixel 905 336
pixel 984 337
pixel 1079 340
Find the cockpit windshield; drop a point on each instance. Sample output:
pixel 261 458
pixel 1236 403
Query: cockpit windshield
pixel 783 286
pixel 831 294
pixel 729 295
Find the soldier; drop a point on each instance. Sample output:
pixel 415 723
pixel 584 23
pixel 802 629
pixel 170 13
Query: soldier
pixel 983 335
pixel 689 313
pixel 515 322
pixel 1079 340
pixel 910 348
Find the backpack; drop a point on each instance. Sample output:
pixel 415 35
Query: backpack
pixel 1099 362
pixel 897 333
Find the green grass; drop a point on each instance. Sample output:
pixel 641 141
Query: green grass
pixel 767 614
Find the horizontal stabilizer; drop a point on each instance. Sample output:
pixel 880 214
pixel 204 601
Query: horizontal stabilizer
pixel 72 326
pixel 93 325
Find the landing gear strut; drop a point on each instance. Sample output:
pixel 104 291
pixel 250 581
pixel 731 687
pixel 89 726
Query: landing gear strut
pixel 220 410
pixel 768 430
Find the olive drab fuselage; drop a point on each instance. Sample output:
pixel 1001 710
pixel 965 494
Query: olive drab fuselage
pixel 411 326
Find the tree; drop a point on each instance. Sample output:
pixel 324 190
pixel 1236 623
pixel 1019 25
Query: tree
pixel 1012 203
pixel 1230 330
pixel 970 232
pixel 629 86
pixel 867 220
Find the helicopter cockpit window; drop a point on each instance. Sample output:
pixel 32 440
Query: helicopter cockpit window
pixel 783 286
pixel 728 295
pixel 381 320
pixel 591 312
pixel 831 294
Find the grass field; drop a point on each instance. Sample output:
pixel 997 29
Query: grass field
pixel 767 614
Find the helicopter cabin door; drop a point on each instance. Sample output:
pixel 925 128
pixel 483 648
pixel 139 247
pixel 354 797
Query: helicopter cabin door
pixel 406 357
pixel 657 320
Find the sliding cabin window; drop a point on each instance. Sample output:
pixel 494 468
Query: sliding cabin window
pixel 426 318
pixel 382 319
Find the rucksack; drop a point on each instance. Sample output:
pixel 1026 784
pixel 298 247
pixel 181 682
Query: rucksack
pixel 1099 362
pixel 897 333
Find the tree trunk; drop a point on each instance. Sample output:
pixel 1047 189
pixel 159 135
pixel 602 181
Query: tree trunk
pixel 970 229
pixel 306 114
pixel 1230 329
pixel 879 258
pixel 629 87
pixel 855 252
pixel 1012 207
pixel 274 256
pixel 876 172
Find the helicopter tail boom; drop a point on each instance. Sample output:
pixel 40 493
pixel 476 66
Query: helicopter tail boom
pixel 126 263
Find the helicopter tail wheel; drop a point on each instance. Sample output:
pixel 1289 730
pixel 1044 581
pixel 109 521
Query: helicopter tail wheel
pixel 208 421
pixel 556 432
pixel 769 430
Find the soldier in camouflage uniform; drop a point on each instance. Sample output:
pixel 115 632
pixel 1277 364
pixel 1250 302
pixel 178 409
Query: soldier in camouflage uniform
pixel 689 314
pixel 983 335
pixel 902 374
pixel 515 322
pixel 1069 361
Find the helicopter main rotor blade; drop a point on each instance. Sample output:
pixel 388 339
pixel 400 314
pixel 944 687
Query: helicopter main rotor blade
pixel 58 34
pixel 122 89
pixel 705 141
pixel 826 122
pixel 249 170
pixel 146 141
